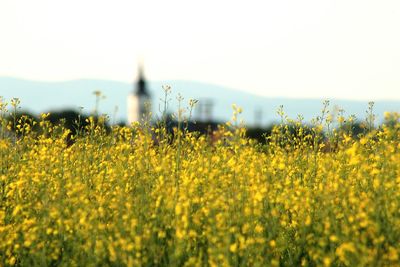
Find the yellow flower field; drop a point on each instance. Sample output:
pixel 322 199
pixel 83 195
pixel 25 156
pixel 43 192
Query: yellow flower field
pixel 139 196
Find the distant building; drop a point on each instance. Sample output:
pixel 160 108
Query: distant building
pixel 139 100
pixel 204 110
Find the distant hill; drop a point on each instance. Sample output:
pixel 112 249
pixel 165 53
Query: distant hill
pixel 37 96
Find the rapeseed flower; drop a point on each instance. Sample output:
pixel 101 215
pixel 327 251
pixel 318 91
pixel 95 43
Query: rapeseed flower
pixel 120 198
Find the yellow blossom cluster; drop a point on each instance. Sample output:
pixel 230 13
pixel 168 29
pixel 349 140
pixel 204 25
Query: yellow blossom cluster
pixel 139 196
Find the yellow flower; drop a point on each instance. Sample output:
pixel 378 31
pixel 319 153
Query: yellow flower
pixel 258 229
pixel 233 248
pixel 327 261
pixel 178 209
pixel 308 220
pixel 363 141
pixel 392 254
pixel 11 261
pixel 333 238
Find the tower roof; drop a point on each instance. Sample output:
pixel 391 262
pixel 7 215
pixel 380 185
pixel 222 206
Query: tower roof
pixel 141 84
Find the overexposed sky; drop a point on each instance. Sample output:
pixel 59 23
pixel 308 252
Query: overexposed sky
pixel 320 49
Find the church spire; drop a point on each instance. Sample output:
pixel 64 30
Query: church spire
pixel 141 86
pixel 139 100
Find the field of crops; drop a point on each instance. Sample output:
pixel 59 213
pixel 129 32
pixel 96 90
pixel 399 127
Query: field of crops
pixel 140 196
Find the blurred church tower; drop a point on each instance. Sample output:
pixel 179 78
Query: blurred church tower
pixel 139 100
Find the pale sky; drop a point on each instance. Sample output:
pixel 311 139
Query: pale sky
pixel 290 48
